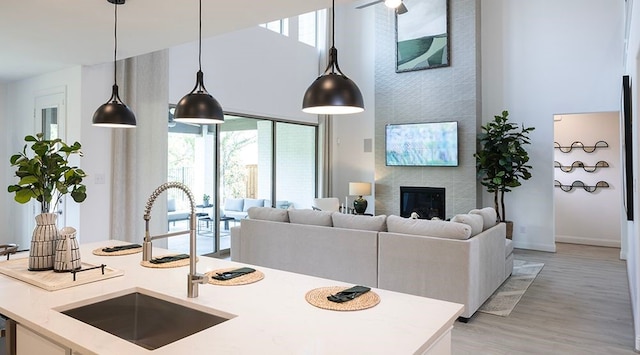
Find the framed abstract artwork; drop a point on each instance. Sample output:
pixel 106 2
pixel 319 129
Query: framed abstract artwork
pixel 422 36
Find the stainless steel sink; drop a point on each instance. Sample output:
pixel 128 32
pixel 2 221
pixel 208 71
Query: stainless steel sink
pixel 144 320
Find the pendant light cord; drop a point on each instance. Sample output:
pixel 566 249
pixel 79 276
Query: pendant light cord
pixel 333 23
pixel 200 38
pixel 115 38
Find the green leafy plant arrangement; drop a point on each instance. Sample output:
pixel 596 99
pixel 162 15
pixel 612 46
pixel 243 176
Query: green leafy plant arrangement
pixel 47 175
pixel 501 161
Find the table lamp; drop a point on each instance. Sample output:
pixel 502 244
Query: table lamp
pixel 360 189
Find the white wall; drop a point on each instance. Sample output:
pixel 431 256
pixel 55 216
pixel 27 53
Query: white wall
pixel 96 145
pixel 588 217
pixel 356 55
pixel 253 71
pixel 541 58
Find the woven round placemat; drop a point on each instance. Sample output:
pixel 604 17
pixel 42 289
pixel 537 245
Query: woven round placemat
pixel 178 263
pixel 240 280
pixel 318 298
pixel 99 252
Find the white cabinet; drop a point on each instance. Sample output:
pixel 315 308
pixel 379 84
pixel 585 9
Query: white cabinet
pixel 29 343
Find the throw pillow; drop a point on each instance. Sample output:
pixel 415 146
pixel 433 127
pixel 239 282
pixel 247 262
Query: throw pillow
pixel 429 228
pixel 489 217
pixel 316 218
pixel 475 221
pixel 233 204
pixel 354 221
pixel 268 214
pixel 252 202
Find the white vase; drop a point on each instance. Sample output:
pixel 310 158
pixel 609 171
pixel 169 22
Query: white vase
pixel 43 242
pixel 67 257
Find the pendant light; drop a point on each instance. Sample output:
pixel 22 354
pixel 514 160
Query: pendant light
pixel 114 113
pixel 332 93
pixel 199 106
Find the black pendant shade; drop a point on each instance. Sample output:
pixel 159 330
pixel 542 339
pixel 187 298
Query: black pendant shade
pixel 114 113
pixel 333 93
pixel 199 106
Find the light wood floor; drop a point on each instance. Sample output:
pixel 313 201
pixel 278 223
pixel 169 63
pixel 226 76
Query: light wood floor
pixel 578 304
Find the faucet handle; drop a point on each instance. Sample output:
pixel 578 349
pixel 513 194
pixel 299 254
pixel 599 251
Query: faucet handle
pixel 192 283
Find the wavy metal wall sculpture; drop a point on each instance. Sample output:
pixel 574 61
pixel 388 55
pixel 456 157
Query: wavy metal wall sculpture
pixel 578 183
pixel 578 144
pixel 579 164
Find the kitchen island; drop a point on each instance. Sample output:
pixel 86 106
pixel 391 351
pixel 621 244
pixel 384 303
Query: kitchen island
pixel 270 316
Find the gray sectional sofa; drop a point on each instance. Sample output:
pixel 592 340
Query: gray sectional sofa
pixel 463 261
pixel 237 208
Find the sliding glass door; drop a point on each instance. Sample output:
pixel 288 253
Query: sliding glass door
pixel 258 162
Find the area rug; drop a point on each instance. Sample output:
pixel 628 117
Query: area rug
pixel 507 296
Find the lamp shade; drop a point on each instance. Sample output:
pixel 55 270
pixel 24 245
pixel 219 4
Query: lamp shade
pixel 114 113
pixel 333 94
pixel 359 188
pixel 199 106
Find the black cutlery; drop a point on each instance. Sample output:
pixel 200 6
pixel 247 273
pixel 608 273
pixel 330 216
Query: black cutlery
pixel 228 275
pixel 121 247
pixel 348 294
pixel 168 259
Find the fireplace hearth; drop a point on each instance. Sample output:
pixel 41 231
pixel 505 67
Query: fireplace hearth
pixel 427 202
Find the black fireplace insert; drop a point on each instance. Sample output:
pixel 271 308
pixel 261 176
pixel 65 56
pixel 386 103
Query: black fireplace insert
pixel 427 202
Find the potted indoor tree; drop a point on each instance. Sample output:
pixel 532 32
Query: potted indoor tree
pixel 46 177
pixel 501 161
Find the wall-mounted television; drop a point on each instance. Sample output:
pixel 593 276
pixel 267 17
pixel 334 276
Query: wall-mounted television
pixel 422 144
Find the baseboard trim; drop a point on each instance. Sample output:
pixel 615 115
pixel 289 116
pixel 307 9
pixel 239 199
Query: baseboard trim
pixel 551 248
pixel 588 241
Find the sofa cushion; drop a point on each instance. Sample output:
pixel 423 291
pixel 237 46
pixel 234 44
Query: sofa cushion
pixel 429 228
pixel 171 205
pixel 475 221
pixel 489 217
pixel 252 202
pixel 268 214
pixel 234 204
pixel 354 221
pixel 316 218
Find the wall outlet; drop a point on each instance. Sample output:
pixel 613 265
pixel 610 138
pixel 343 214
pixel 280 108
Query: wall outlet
pixel 100 179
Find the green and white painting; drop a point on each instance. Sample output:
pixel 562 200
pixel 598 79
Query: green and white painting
pixel 422 39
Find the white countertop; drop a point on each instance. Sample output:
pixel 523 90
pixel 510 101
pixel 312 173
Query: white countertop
pixel 272 315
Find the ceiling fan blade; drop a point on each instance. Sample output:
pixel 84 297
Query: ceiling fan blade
pixel 369 4
pixel 402 9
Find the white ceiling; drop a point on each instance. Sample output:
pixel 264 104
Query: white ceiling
pixel 39 36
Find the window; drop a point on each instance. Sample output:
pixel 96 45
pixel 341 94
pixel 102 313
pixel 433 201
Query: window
pixel 304 27
pixel 307 28
pixel 278 26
